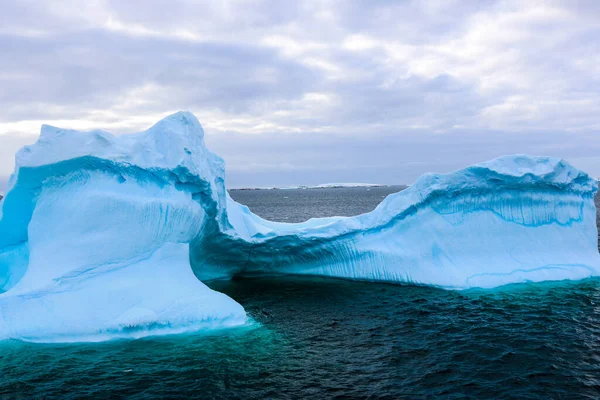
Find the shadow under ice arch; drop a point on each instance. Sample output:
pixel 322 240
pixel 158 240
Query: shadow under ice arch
pixel 104 236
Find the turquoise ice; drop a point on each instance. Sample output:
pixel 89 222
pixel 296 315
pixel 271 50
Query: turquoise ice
pixel 104 236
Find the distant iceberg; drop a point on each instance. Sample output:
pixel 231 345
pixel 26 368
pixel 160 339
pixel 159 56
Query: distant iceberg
pixel 320 186
pixel 334 185
pixel 104 236
pixel 346 185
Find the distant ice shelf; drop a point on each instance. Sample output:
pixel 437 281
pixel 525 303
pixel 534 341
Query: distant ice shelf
pixel 104 236
pixel 334 185
pixel 320 186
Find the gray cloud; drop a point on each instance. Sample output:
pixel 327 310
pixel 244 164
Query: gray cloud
pixel 390 158
pixel 306 92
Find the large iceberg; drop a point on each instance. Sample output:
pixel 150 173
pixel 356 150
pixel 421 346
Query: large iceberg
pixel 104 236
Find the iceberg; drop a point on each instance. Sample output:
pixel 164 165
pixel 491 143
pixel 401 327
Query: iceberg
pixel 104 236
pixel 95 234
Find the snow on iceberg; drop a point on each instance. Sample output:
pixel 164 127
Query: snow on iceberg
pixel 104 236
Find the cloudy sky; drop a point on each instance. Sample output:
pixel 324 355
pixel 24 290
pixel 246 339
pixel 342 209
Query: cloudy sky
pixel 313 91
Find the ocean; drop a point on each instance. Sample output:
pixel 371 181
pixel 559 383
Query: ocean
pixel 327 338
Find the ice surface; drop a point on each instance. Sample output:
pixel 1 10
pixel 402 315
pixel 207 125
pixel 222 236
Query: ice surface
pixel 513 219
pixel 104 236
pixel 95 233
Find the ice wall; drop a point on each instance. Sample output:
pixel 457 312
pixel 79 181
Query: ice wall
pixel 104 236
pixel 513 219
pixel 95 233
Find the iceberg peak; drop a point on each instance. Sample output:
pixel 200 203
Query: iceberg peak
pixel 166 143
pixel 182 124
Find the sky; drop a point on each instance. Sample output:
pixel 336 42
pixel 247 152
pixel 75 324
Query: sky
pixel 312 92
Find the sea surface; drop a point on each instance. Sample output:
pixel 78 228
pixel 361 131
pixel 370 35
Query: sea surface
pixel 325 338
pixel 298 205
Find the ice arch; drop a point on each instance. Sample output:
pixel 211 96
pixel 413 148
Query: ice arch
pixel 101 236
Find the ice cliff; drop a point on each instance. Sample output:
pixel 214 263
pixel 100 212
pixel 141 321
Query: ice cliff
pixel 104 236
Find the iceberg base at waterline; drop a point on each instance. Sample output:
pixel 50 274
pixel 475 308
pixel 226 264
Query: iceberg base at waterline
pixel 104 236
pixel 152 296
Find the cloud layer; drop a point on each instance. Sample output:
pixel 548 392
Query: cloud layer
pixel 313 91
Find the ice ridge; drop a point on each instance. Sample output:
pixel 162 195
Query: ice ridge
pixel 104 236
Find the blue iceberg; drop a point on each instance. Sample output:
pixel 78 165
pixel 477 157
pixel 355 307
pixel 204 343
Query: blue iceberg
pixel 104 236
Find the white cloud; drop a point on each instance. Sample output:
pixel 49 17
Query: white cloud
pixel 418 71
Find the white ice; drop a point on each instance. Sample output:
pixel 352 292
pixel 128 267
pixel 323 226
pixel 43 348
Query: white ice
pixel 104 236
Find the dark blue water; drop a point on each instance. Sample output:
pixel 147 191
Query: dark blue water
pixel 325 338
pixel 298 205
